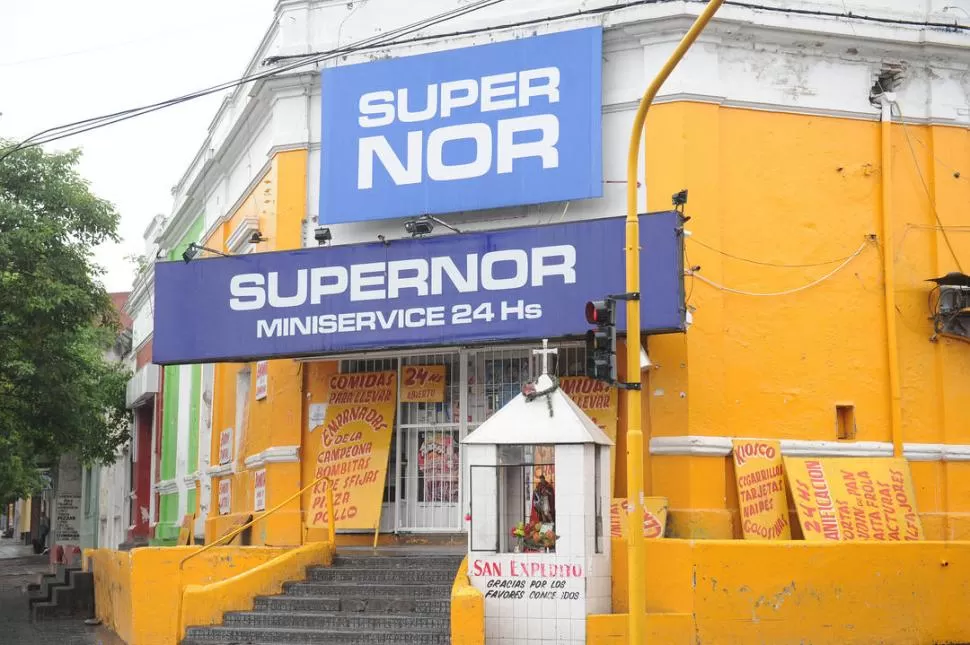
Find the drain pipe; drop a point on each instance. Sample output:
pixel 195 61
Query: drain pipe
pixel 889 278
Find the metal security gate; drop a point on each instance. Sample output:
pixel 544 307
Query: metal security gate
pixel 423 488
pixel 429 460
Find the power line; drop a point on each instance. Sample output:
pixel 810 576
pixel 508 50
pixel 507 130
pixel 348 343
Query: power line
pixel 846 15
pixel 786 292
pixel 85 125
pixel 770 264
pixel 926 188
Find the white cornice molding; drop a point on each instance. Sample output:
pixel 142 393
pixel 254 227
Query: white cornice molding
pixel 274 455
pixel 238 240
pixel 221 470
pixel 704 446
pixel 190 479
pixel 166 487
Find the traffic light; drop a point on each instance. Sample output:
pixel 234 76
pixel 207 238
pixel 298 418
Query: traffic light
pixel 601 342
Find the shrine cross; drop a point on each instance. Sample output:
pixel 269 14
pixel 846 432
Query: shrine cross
pixel 545 352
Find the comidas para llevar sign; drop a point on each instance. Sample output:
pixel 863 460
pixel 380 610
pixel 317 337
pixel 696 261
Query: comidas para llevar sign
pixel 514 284
pixel 502 124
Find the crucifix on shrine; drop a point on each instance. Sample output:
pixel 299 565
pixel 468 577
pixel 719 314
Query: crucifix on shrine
pixel 534 538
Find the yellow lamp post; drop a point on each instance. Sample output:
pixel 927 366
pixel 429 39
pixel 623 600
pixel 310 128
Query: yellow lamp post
pixel 636 558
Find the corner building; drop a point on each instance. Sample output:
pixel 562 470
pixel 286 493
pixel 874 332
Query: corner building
pixel 827 160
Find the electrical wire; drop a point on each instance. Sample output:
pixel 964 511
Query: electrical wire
pixel 85 125
pixel 786 292
pixel 771 264
pixel 94 123
pixel 926 188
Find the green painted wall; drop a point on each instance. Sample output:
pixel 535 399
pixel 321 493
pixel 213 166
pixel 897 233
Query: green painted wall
pixel 169 520
pixel 167 532
pixel 170 422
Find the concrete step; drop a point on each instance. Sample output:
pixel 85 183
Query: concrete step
pixel 74 600
pixel 266 635
pixel 348 589
pixel 432 576
pixel 358 603
pixel 359 561
pixel 340 621
pixel 43 592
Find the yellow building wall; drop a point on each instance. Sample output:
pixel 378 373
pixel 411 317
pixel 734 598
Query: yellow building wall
pixel 795 189
pixel 278 202
pixel 131 586
pixel 782 189
pixel 724 592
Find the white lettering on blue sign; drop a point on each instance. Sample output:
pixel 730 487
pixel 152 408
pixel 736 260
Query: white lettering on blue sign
pixel 504 270
pixel 500 124
pixel 499 148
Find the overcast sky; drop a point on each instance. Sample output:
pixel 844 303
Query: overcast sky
pixel 65 60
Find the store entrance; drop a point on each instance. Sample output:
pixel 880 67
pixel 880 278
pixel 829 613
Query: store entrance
pixel 423 489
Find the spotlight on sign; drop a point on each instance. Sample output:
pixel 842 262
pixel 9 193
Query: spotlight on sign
pixel 418 227
pixel 192 251
pixel 322 235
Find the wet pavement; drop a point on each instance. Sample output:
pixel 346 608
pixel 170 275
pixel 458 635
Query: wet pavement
pixel 19 567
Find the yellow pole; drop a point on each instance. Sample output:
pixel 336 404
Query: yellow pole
pixel 636 558
pixel 889 279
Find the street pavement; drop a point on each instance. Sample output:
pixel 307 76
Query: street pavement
pixel 18 567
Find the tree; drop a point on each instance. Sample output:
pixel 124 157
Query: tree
pixel 58 392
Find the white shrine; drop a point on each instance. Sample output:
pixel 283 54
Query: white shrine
pixel 539 541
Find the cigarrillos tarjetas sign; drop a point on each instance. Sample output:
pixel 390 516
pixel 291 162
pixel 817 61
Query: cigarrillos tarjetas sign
pixel 762 496
pixel 355 440
pixel 512 284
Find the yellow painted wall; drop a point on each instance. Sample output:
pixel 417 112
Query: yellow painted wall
pixel 205 604
pixel 795 189
pixel 131 586
pixel 748 592
pixel 773 187
pixel 467 610
pixel 278 201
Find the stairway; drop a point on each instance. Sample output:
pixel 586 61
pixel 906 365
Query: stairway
pixel 68 593
pixel 365 597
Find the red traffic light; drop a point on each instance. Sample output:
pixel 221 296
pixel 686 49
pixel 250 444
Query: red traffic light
pixel 599 312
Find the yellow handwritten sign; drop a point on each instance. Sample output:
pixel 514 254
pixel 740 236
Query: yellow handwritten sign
pixel 598 400
pixel 423 384
pixel 654 517
pixel 355 443
pixel 762 496
pixel 843 499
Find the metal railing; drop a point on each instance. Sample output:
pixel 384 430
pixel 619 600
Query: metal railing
pixel 228 537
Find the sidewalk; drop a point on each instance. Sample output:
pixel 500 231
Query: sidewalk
pixel 18 567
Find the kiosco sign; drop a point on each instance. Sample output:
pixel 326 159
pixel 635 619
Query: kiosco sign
pixel 503 124
pixel 501 285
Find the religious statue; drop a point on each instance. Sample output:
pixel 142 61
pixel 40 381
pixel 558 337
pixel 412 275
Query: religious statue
pixel 543 502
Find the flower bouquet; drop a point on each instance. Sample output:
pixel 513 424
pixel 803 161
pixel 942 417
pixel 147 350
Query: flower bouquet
pixel 532 538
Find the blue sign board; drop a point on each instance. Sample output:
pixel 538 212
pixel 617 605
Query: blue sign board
pixel 513 284
pixel 503 124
